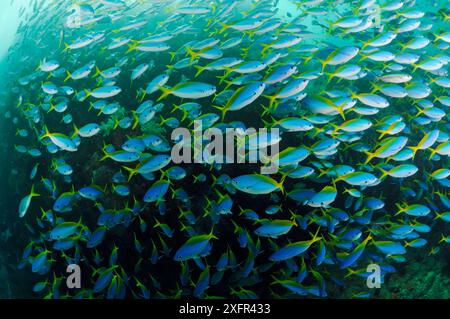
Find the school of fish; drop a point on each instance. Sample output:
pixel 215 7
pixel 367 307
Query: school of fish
pixel 359 90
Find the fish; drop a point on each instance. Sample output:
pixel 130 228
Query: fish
pixel 193 247
pixel 190 90
pixel 103 92
pixel 256 184
pixel 25 202
pixel 274 228
pixel 156 191
pixel 293 249
pixel 65 230
pixel 353 256
pixel 323 198
pixel 242 97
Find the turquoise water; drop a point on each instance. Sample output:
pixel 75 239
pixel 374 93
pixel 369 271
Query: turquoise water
pixel 364 166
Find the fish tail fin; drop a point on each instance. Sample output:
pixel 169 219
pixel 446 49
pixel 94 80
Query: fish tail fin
pixel 431 79
pixel 335 127
pixel 271 99
pixel 144 94
pixel 351 272
pixel 88 93
pixel 445 16
pixel 414 149
pixel 138 94
pixel 280 184
pixel 163 121
pixel 229 83
pixel 400 209
pixel 157 224
pixel 40 64
pixel 106 155
pixel 209 21
pixel 403 46
pixel 323 64
pixel 266 110
pixel 66 47
pixel 222 109
pixel 192 53
pixel 266 123
pixel 436 37
pixel 433 152
pixel 419 110
pixel 174 108
pixel 382 133
pixel 51 108
pixel 195 178
pixel 331 25
pixel 250 34
pixel 44 213
pixel 166 92
pixel 265 48
pixel 370 156
pixel 213 7
pixel 172 55
pixel 340 109
pixel 69 75
pixel 224 27
pixel 244 52
pixel 363 57
pixel 53 164
pixel 200 70
pixel 375 87
pixel 136 120
pixel 131 47
pixel 91 105
pixel 236 226
pixel 46 133
pixel 76 130
pixel 185 114
pixel 322 172
pixel 97 72
pixel 32 193
pixel 214 178
pixel 438 215
pixel 306 59
pixel 383 171
pixel 224 76
pixel 212 33
pixel 211 234
pixel 132 172
pixel 116 122
pixel 330 77
pixel 315 237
